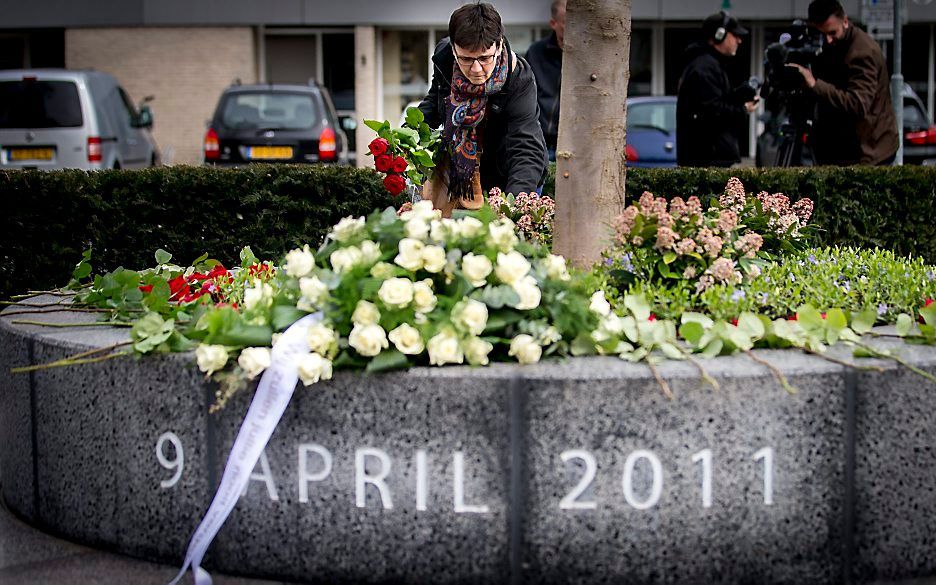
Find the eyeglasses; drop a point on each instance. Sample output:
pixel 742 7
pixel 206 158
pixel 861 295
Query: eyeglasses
pixel 483 60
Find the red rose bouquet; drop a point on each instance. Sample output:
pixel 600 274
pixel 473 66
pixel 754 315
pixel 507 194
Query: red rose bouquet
pixel 405 153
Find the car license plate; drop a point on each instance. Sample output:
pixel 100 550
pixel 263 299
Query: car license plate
pixel 22 154
pixel 269 152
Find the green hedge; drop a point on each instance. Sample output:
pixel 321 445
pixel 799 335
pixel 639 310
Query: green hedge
pixel 888 207
pixel 50 217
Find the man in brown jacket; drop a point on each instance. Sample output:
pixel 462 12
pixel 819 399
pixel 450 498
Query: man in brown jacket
pixel 855 121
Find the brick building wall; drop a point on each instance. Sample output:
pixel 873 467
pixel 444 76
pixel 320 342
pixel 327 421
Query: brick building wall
pixel 184 68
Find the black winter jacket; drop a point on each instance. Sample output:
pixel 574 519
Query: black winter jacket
pixel 708 117
pixel 545 57
pixel 513 153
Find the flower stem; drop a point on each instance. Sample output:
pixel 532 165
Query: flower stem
pixel 62 325
pixel 40 305
pixel 705 375
pixel 68 362
pixel 663 385
pixel 773 370
pixel 899 360
pixel 829 358
pixel 33 293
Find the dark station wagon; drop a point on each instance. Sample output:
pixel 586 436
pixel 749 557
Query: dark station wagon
pixel 275 123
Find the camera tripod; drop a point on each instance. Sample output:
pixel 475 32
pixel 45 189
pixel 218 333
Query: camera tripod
pixel 793 144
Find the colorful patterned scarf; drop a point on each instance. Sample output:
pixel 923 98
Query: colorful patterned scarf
pixel 464 112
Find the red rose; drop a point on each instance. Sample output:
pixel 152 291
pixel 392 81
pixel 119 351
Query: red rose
pixel 378 146
pixel 394 184
pixel 177 288
pixel 147 288
pixel 399 164
pixel 652 317
pixel 383 163
pixel 218 270
pixel 197 277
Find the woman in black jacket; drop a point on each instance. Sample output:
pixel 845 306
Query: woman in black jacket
pixel 484 97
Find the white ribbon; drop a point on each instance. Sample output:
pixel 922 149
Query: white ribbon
pixel 266 409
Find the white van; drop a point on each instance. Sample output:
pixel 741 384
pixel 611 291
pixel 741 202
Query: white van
pixel 56 119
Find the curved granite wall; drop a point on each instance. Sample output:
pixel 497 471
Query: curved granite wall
pixel 566 472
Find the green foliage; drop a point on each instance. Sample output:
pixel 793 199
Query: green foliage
pixel 124 215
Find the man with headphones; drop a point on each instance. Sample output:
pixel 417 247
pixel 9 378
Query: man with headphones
pixel 709 115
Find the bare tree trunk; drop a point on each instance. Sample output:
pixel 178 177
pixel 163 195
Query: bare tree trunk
pixel 590 155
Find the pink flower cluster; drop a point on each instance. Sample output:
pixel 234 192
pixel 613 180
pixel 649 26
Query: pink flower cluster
pixel 734 196
pixel 534 215
pixel 786 217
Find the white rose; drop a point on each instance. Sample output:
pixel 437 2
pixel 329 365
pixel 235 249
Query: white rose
pixel 411 254
pixel 370 251
pixel 299 262
pixel 511 267
pixel 396 293
pixel 556 267
pixel 445 349
pixel 424 299
pixel 529 293
pixel 365 313
pixel 468 227
pixel 347 228
pixel 211 358
pixel 476 269
pixel 421 210
pixel 433 258
pixel 549 336
pixel 416 228
pixel 599 304
pixel 345 259
pixel 258 296
pixel 406 338
pixel 313 367
pixel 321 338
pixel 368 340
pixel 382 270
pixel 525 349
pixel 313 290
pixel 253 360
pixel 470 315
pixel 441 230
pixel 477 350
pixel 502 234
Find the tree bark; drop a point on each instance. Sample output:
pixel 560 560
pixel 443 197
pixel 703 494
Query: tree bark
pixel 590 156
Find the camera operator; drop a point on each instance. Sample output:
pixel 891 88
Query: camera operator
pixel 708 112
pixel 855 121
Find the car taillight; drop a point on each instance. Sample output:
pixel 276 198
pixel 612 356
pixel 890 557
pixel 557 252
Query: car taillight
pixel 95 153
pixel 212 149
pixel 630 153
pixel 922 137
pixel 328 149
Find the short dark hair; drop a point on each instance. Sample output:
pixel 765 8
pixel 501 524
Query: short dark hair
pixel 555 6
pixel 821 10
pixel 475 27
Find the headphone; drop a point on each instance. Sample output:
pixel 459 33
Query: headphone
pixel 722 31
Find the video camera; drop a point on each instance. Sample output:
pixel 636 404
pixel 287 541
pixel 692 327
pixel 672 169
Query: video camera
pixel 800 45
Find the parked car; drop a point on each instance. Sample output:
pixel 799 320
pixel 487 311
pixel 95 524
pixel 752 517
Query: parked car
pixel 651 131
pixel 275 123
pixel 919 135
pixel 57 118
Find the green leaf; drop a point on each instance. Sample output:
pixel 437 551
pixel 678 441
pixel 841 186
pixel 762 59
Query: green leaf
pixel 377 126
pixel 671 351
pixel 638 306
pixel 809 317
pixel 692 332
pixel 904 324
pixel 390 359
pixel 864 321
pixel 162 256
pixel 704 320
pixel 407 135
pixel 497 297
pixel 285 315
pixel 583 344
pixel 751 325
pixel 713 348
pixel 414 117
pixel 669 257
pixel 929 314
pixel 835 318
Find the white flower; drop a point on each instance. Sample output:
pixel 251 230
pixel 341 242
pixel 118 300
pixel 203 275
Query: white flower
pixel 525 349
pixel 365 313
pixel 313 290
pixel 321 338
pixel 211 358
pixel 416 228
pixel 370 251
pixel 253 360
pixel 260 295
pixel 344 259
pixel 468 227
pixel 368 340
pixel 753 271
pixel 599 304
pixel 424 300
pixel 396 293
pixel 556 267
pixel 502 234
pixel 476 269
pixel 422 210
pixel 433 258
pixel 477 350
pixel 299 262
pixel 411 254
pixel 441 230
pixel 406 338
pixel 511 267
pixel 470 315
pixel 382 270
pixel 549 336
pixel 313 367
pixel 347 229
pixel 612 324
pixel 445 349
pixel 530 294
